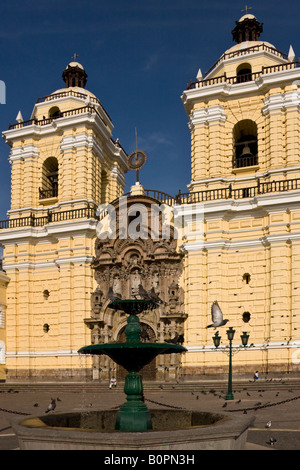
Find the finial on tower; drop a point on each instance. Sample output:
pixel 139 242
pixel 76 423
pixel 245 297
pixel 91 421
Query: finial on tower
pixel 247 28
pixel 74 75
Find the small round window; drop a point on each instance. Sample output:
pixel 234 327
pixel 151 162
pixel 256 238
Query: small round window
pixel 246 317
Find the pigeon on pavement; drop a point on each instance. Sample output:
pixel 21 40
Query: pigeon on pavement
pixel 51 406
pixel 216 316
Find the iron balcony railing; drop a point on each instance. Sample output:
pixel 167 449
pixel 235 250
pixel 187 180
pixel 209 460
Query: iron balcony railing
pixel 248 77
pixel 238 193
pixel 48 193
pixel 33 221
pixel 91 212
pixel 62 114
pixel 248 50
pixel 76 94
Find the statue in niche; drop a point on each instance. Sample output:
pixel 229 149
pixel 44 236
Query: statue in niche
pixel 155 281
pixel 117 287
pixel 135 281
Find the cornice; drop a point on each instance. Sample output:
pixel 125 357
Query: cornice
pixel 207 115
pixel 227 90
pixel 55 231
pixel 23 153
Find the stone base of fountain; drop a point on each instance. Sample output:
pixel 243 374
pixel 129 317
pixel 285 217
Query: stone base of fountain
pixel 173 430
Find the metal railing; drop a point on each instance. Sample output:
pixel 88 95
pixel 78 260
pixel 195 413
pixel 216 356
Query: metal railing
pixel 238 193
pixel 248 50
pixel 248 77
pixel 62 114
pixel 243 162
pixel 90 212
pixel 48 193
pixel 33 221
pixel 76 94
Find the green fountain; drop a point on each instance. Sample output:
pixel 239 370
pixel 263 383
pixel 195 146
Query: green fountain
pixel 133 355
pixel 133 427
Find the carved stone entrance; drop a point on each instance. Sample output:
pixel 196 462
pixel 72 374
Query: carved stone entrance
pixel 124 263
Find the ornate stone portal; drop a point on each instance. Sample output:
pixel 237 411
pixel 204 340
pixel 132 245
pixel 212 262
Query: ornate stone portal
pixel 124 263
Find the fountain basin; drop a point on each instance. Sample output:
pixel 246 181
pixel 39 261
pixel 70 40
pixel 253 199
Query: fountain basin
pixel 132 355
pixel 172 430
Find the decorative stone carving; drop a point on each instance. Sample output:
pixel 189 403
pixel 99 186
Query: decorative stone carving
pixel 124 264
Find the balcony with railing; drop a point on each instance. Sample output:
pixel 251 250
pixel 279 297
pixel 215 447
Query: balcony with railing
pixel 71 93
pixel 62 114
pixel 237 79
pixel 246 51
pixel 229 192
pixel 91 212
pixel 48 193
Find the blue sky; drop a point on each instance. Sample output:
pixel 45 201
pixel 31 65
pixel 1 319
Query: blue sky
pixel 139 57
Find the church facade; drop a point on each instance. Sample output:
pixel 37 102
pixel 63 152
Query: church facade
pixel 234 236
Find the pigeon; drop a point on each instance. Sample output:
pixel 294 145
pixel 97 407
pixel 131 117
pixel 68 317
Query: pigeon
pixel 111 295
pixel 36 405
pixel 268 425
pixel 143 293
pixel 272 441
pixel 216 316
pixel 153 296
pixel 51 406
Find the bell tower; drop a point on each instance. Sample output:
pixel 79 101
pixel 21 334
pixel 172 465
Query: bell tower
pixel 64 164
pixel 244 122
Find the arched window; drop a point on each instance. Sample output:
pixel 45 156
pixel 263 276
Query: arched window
pixel 245 144
pixel 54 112
pixel 244 73
pixel 49 178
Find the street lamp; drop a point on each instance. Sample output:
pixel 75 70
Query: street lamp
pixel 230 335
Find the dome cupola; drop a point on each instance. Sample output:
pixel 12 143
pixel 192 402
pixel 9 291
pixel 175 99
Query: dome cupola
pixel 74 75
pixel 247 29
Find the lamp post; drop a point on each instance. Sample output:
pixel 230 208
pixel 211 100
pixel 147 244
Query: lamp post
pixel 230 336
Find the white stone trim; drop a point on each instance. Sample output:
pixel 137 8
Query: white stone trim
pixel 249 178
pixel 57 230
pixel 56 263
pixel 82 140
pixel 262 83
pixel 116 173
pixel 22 153
pixel 58 353
pixel 281 102
pixel 207 115
pixel 256 346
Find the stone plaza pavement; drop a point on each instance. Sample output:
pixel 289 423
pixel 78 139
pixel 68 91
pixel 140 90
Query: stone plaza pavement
pixel 276 400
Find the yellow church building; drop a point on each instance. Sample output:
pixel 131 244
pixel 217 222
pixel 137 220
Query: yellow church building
pixel 245 157
pixel 244 122
pixel 64 164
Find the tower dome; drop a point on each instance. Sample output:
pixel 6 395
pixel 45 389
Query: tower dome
pixel 74 75
pixel 247 29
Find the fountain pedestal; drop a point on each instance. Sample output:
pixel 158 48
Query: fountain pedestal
pixel 133 415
